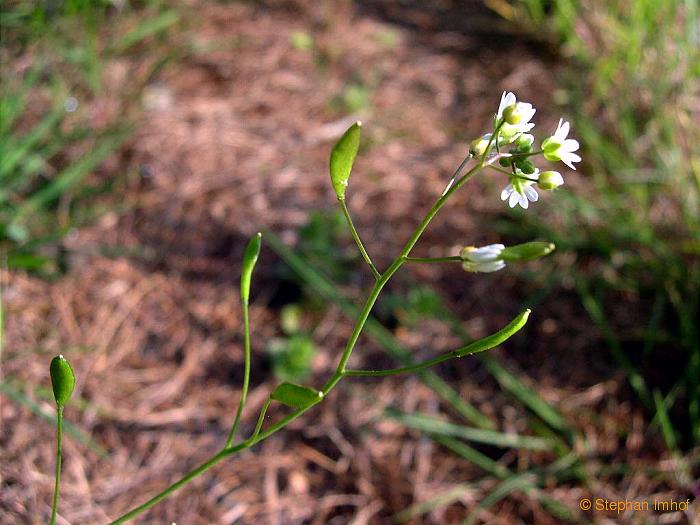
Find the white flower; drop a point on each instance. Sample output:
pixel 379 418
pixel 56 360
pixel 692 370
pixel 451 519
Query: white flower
pixel 520 190
pixel 558 147
pixel 485 259
pixel 513 117
pixel 507 99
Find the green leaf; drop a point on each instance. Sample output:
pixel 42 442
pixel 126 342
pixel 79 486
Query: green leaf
pixel 250 257
pixel 296 396
pixel 62 379
pixel 527 251
pixel 343 157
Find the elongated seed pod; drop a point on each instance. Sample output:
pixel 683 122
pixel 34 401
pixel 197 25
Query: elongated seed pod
pixel 250 258
pixel 343 157
pixel 496 338
pixel 62 379
pixel 296 396
pixel 527 251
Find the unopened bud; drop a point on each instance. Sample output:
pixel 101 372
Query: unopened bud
pixel 550 180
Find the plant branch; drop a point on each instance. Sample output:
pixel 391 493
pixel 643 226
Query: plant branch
pixel 57 486
pixel 451 258
pixel 246 374
pixel 356 236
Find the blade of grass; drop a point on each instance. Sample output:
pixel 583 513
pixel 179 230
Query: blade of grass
pixel 37 410
pixel 73 173
pixel 424 507
pixel 478 435
pixel 517 483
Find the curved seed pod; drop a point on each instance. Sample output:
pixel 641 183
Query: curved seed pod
pixel 343 157
pixel 527 251
pixel 62 379
pixel 295 396
pixel 250 257
pixel 496 338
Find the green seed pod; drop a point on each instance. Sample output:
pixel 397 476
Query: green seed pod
pixel 343 157
pixel 527 251
pixel 295 396
pixel 496 338
pixel 62 379
pixel 250 257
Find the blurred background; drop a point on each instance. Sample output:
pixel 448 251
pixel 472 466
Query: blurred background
pixel 143 142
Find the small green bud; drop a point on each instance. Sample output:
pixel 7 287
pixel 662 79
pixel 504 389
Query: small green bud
pixel 550 180
pixel 478 146
pixel 62 379
pixel 527 251
pixel 524 143
pixel 343 157
pixel 250 257
pixel 505 161
pixel 526 166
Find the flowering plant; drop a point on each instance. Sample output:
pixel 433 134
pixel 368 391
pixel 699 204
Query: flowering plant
pixel 511 127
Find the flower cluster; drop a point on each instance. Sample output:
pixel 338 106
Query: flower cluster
pixel 511 127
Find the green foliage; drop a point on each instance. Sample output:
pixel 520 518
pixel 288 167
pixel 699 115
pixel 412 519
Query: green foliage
pixel 632 89
pixel 50 148
pixel 291 356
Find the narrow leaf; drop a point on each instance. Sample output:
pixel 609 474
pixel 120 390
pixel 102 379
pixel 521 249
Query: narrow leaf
pixel 250 257
pixel 296 396
pixel 343 157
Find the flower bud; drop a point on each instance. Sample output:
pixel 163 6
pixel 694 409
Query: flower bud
pixel 505 161
pixel 526 166
pixel 478 146
pixel 62 379
pixel 550 180
pixel 524 141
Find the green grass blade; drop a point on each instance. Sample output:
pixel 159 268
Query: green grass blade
pixel 477 435
pixel 70 428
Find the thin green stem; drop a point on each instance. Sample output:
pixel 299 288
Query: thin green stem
pixel 57 487
pixel 246 374
pixel 356 236
pixel 451 258
pixel 481 345
pixel 382 280
pixel 261 418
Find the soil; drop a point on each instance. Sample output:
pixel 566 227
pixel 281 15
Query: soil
pixel 233 140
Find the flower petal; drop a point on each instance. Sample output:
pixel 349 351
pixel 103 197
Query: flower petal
pixel 507 191
pixel 531 193
pixel 570 145
pixel 491 266
pixel 513 199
